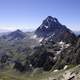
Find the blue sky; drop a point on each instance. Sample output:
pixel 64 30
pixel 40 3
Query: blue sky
pixel 28 14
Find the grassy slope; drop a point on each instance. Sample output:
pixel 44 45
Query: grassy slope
pixel 12 75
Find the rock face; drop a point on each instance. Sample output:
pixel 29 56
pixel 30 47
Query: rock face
pixel 51 28
pixel 71 55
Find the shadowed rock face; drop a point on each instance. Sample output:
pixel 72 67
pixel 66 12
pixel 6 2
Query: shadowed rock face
pixel 51 28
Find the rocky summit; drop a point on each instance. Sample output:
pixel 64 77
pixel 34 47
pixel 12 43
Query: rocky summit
pixel 52 29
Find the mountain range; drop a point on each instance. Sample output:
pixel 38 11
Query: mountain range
pixel 52 46
pixel 50 29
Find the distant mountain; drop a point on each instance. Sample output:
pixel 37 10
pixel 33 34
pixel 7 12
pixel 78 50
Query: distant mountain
pixel 52 29
pixel 16 35
pixel 77 33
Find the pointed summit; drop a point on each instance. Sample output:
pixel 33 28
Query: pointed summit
pixel 50 22
pixel 50 18
pixel 51 28
pixel 18 30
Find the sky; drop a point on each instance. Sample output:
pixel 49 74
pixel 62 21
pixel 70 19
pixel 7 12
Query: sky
pixel 27 15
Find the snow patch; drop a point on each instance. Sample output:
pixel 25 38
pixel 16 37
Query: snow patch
pixel 67 45
pixel 61 43
pixel 40 40
pixel 46 26
pixel 51 35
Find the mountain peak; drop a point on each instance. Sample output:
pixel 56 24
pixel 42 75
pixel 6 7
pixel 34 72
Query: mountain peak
pixel 18 30
pixel 50 18
pixel 50 22
pixel 51 28
pixel 18 34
